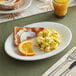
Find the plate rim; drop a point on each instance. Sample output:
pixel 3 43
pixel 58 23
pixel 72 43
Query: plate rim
pixel 43 57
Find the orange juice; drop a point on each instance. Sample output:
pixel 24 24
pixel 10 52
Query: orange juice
pixel 60 7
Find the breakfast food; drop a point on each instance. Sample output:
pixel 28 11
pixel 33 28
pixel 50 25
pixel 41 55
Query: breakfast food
pixel 10 4
pixel 48 40
pixel 25 33
pixel 25 48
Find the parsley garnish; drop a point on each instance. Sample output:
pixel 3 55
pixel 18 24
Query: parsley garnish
pixel 50 36
pixel 40 45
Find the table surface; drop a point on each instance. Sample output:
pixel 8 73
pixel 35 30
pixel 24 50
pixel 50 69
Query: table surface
pixel 12 67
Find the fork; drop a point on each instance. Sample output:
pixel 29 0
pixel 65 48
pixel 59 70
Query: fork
pixel 71 57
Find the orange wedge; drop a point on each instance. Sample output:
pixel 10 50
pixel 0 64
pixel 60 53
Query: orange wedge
pixel 25 48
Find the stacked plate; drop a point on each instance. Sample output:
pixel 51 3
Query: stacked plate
pixel 21 8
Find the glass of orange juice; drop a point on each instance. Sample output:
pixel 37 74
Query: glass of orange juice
pixel 60 7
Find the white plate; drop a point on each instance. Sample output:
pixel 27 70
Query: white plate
pixel 25 6
pixel 65 37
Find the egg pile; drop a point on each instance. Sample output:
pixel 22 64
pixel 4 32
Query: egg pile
pixel 48 40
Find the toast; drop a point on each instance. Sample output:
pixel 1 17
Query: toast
pixel 10 4
pixel 18 32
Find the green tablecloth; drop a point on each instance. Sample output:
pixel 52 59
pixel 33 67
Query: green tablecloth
pixel 12 67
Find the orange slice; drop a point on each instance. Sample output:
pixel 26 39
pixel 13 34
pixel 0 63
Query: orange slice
pixel 25 48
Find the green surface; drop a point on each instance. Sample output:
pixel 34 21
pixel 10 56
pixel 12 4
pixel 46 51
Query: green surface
pixel 12 67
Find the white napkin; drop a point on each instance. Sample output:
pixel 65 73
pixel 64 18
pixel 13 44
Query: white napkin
pixel 72 72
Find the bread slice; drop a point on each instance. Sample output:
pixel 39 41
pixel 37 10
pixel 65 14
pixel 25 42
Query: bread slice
pixel 10 4
pixel 36 30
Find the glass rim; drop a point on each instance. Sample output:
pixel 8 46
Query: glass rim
pixel 60 2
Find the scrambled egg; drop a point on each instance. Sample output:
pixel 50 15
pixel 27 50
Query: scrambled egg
pixel 48 40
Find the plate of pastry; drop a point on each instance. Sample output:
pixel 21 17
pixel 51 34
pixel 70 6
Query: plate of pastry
pixel 37 41
pixel 14 6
